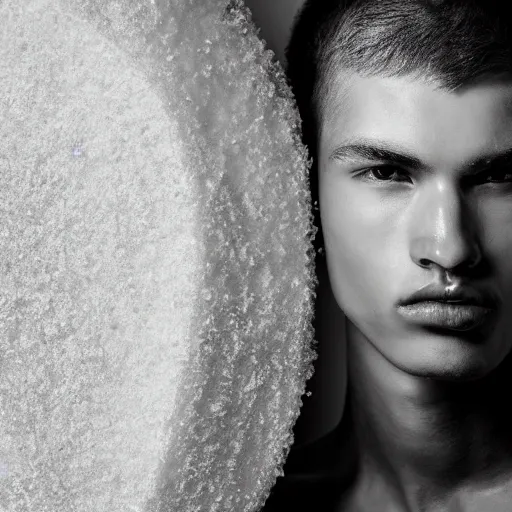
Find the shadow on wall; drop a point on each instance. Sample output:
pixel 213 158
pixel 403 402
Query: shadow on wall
pixel 275 18
pixel 321 411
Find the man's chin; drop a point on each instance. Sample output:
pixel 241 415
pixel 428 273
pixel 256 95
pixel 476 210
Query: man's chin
pixel 453 356
pixel 446 358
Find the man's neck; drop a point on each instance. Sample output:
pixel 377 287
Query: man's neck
pixel 422 440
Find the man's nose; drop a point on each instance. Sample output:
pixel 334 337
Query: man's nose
pixel 443 230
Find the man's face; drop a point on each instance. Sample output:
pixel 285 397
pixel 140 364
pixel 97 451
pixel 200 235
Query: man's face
pixel 416 189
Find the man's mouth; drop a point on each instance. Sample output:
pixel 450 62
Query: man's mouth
pixel 455 315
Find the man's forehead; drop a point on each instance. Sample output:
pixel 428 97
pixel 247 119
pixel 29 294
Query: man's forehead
pixel 349 96
pixel 404 106
pixel 348 90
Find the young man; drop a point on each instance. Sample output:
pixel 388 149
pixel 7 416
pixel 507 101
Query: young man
pixel 407 109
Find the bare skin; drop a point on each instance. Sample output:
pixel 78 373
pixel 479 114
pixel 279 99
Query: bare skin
pixel 430 407
pixel 440 447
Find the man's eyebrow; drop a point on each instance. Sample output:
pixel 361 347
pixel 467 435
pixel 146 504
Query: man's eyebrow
pixel 497 160
pixel 376 151
pixel 383 152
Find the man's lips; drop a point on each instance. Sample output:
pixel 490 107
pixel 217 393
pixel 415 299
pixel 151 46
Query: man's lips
pixel 459 308
pixel 462 295
pixel 447 315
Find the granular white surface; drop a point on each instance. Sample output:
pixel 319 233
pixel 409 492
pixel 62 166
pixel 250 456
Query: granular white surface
pixel 156 274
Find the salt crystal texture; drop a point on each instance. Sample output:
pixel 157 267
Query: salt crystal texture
pixel 156 279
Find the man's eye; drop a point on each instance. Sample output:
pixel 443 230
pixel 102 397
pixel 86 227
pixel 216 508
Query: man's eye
pixel 384 173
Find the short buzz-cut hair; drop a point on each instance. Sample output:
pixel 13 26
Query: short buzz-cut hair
pixel 449 43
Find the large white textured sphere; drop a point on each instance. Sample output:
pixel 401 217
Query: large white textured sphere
pixel 156 271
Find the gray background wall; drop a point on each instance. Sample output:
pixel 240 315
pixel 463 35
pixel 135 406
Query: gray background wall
pixel 323 409
pixel 274 17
